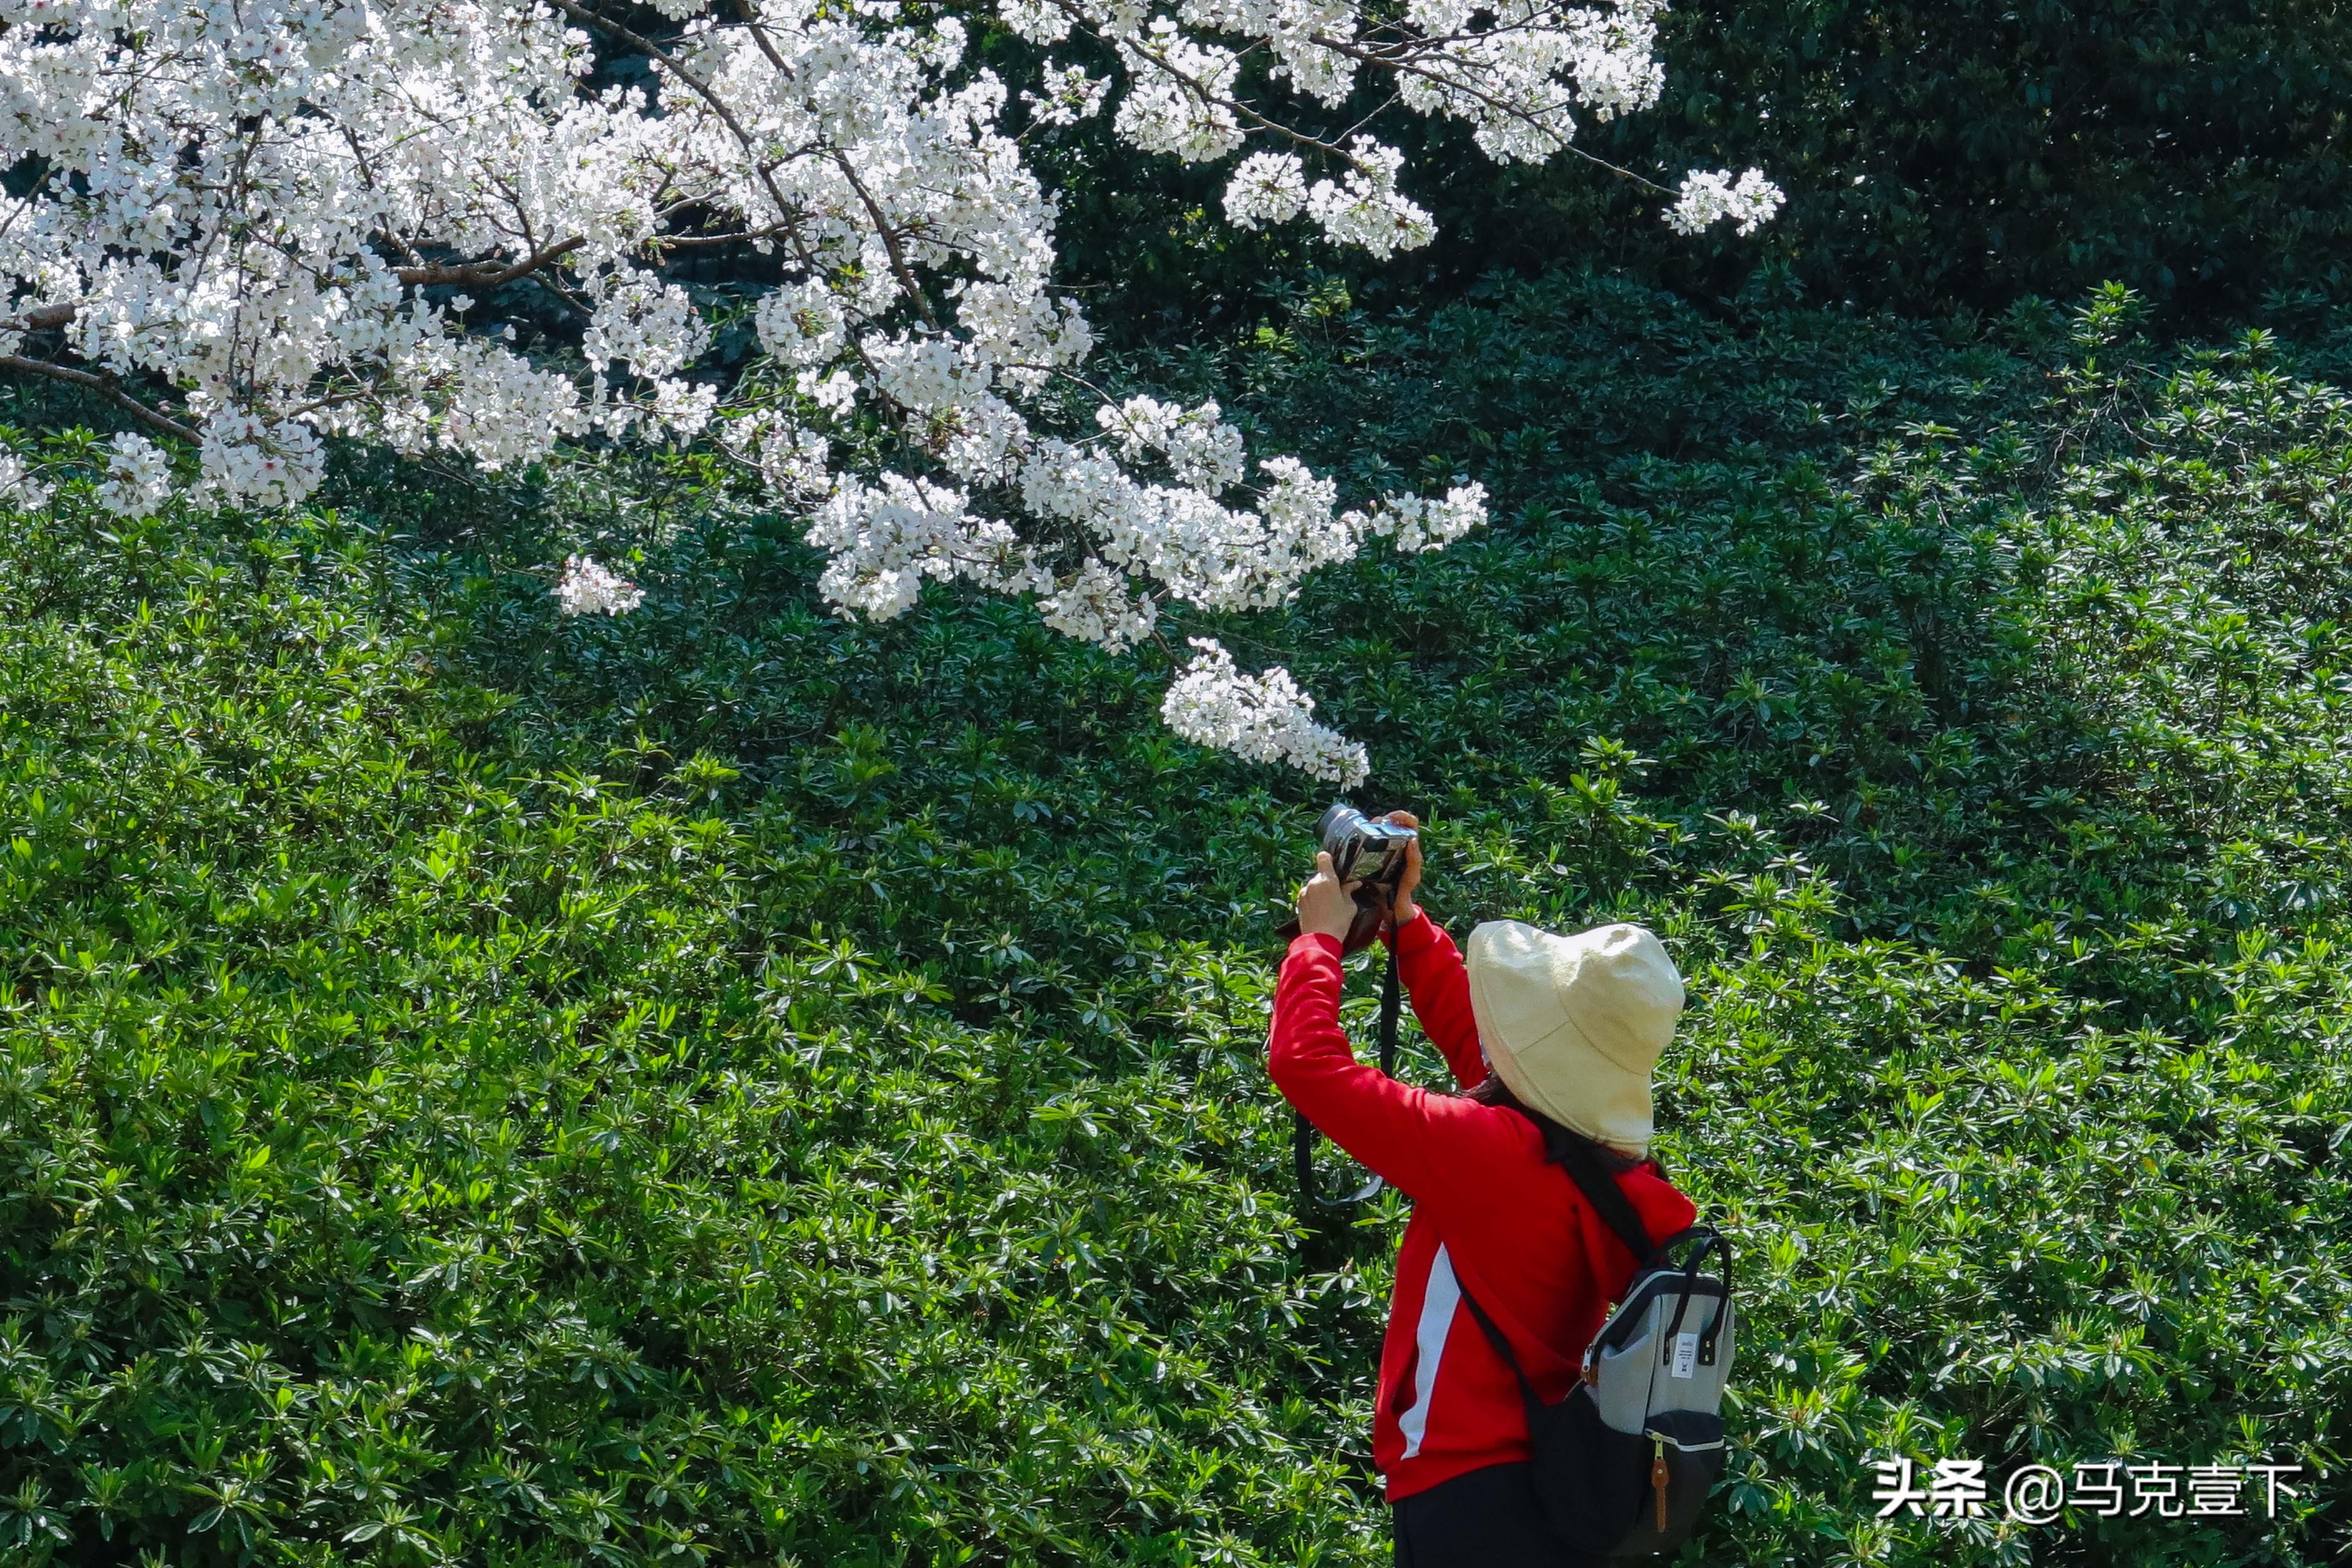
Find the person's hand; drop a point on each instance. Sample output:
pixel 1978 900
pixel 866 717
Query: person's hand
pixel 1327 906
pixel 1402 913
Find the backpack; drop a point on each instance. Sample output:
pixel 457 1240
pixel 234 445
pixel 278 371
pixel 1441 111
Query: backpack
pixel 1624 1465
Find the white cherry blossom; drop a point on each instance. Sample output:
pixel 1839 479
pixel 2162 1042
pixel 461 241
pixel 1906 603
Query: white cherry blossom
pixel 19 488
pixel 138 477
pixel 253 226
pixel 1263 717
pixel 1266 188
pixel 1099 605
pixel 1070 96
pixel 587 588
pixel 1708 197
pixel 1366 209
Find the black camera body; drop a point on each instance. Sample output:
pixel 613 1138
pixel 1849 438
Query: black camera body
pixel 1371 853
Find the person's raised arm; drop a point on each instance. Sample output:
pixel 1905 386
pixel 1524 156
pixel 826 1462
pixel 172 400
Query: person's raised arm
pixel 1431 969
pixel 1431 1147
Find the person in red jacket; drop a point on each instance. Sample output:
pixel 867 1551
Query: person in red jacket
pixel 1571 1026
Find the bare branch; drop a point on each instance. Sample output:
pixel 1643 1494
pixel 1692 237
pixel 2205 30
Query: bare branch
pixel 47 318
pixel 694 241
pixel 488 274
pixel 106 387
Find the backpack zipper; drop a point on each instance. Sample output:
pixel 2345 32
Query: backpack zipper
pixel 1658 1478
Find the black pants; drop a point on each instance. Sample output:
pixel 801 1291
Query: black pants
pixel 1481 1519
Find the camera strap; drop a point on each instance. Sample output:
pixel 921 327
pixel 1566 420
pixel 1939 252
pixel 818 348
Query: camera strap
pixel 1302 1135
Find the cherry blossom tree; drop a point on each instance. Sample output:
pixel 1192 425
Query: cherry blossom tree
pixel 242 223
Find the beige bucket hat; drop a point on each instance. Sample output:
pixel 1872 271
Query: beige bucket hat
pixel 1572 1025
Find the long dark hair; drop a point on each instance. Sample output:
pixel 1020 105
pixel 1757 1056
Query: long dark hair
pixel 1560 1143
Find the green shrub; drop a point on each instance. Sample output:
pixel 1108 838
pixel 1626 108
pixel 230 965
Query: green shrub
pixel 1937 155
pixel 725 1084
pixel 1941 152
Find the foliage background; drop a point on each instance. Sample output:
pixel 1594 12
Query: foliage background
pixel 1935 154
pixel 726 1085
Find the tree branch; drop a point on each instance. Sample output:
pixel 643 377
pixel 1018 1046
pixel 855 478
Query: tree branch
pixel 890 246
pixel 487 274
pixel 106 387
pixel 691 241
pixel 47 318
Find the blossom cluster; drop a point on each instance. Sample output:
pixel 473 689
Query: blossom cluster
pixel 276 223
pixel 589 588
pixel 1708 197
pixel 1262 718
pixel 19 488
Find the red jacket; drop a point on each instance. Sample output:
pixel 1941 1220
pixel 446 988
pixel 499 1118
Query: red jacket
pixel 1490 1215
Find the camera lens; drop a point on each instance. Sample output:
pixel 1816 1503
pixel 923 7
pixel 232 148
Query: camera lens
pixel 1339 825
pixel 1361 848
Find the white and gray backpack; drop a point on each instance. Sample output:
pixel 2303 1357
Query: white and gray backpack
pixel 1624 1465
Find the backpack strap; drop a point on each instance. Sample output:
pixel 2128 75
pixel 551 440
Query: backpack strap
pixel 1609 1201
pixel 1501 1348
pixel 1704 1239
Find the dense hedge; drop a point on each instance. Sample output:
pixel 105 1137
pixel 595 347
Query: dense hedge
pixel 728 1085
pixel 1935 153
pixel 1966 151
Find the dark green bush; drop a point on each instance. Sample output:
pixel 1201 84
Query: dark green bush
pixel 728 1085
pixel 1941 152
pixel 1937 154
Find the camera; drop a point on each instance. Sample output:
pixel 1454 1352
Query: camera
pixel 1363 849
pixel 1370 853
